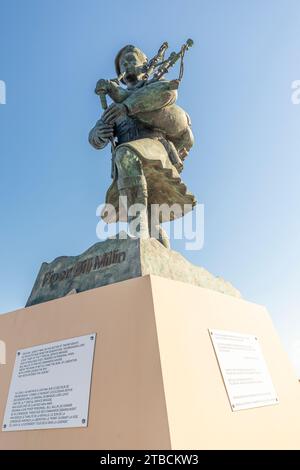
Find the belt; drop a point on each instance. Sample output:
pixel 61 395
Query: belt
pixel 141 134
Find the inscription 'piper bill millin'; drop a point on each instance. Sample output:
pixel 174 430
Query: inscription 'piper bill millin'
pixel 85 267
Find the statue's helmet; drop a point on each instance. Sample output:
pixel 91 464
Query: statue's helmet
pixel 125 50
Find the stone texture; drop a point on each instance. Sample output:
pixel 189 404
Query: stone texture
pixel 115 260
pixel 104 263
pixel 155 259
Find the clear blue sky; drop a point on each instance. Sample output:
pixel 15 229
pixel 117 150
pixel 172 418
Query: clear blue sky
pixel 245 164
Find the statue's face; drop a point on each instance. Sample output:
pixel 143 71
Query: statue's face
pixel 131 64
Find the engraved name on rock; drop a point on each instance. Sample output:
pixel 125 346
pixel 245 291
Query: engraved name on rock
pixel 104 263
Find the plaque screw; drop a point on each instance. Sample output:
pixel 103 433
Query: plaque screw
pixel 91 338
pixel 19 353
pixel 4 426
pixel 83 421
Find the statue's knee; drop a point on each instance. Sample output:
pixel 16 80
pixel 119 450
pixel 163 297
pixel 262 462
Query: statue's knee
pixel 120 155
pixel 127 161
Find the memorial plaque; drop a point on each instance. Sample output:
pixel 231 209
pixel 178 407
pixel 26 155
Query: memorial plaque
pixel 50 386
pixel 244 370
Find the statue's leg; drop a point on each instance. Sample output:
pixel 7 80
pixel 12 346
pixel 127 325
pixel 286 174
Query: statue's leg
pixel 133 186
pixel 156 230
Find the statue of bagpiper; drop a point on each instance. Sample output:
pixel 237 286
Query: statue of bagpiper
pixel 150 138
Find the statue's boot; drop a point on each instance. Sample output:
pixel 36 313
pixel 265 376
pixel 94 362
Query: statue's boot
pixel 134 191
pixel 163 237
pixel 157 231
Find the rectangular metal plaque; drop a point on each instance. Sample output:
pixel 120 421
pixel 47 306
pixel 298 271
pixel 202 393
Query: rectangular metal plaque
pixel 50 386
pixel 244 370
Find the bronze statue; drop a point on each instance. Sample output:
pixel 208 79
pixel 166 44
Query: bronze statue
pixel 153 135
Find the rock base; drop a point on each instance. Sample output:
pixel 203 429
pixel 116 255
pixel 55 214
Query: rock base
pixel 115 260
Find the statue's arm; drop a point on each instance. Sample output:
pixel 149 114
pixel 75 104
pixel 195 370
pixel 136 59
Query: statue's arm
pixel 97 135
pixel 151 97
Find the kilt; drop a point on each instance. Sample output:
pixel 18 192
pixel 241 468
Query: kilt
pixel 164 183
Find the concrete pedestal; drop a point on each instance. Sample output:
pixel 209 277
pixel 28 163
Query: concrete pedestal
pixel 156 383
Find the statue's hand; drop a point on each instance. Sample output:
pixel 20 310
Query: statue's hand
pixel 102 86
pixel 113 112
pixel 100 134
pixel 104 131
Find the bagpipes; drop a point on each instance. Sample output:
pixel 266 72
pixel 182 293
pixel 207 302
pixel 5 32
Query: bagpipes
pixel 152 71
